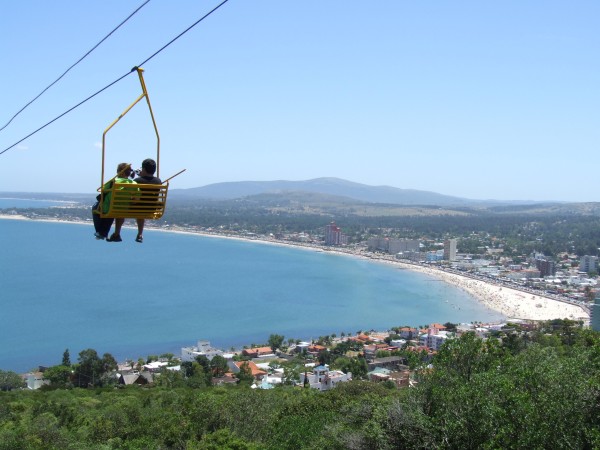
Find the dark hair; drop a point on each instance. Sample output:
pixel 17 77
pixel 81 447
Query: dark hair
pixel 149 165
pixel 124 170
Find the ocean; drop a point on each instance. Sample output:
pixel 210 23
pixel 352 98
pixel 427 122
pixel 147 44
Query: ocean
pixel 60 288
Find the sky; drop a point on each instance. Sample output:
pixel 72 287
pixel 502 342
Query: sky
pixel 474 99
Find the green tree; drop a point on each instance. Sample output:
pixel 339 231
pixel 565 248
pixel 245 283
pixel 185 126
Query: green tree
pixel 66 359
pixel 194 374
pixel 276 341
pixel 468 355
pixel 219 366
pixel 59 376
pixel 357 366
pixel 222 440
pixel 10 380
pixel 169 379
pixel 291 373
pixel 91 370
pixel 204 362
pixel 244 376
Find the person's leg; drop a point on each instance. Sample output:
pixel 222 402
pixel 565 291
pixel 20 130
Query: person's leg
pixel 118 225
pixel 96 219
pixel 101 225
pixel 116 236
pixel 105 224
pixel 140 226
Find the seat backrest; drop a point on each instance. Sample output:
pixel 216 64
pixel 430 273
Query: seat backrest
pixel 137 201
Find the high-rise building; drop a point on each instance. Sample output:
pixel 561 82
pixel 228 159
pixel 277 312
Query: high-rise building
pixel 403 245
pixel 588 264
pixel 334 235
pixel 546 267
pixel 393 246
pixel 450 249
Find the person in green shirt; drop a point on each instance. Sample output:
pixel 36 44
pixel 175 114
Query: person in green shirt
pixel 124 171
pixel 103 224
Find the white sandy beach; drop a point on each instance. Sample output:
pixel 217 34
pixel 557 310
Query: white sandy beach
pixel 512 303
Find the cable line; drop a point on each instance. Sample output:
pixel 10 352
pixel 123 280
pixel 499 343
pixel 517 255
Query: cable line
pixel 78 61
pixel 117 80
pixel 67 112
pixel 183 32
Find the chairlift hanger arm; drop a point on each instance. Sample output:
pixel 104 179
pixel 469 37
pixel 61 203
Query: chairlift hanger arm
pixel 144 93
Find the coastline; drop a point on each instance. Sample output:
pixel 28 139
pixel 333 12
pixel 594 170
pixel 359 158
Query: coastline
pixel 511 303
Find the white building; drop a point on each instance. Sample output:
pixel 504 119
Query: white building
pixel 588 264
pixel 155 366
pixel 434 338
pixel 398 342
pixel 202 349
pixel 393 246
pixel 35 380
pixel 324 379
pixel 450 249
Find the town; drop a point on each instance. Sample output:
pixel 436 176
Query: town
pixel 394 357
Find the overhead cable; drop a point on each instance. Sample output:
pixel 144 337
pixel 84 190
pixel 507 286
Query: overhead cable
pixel 116 81
pixel 183 32
pixel 78 61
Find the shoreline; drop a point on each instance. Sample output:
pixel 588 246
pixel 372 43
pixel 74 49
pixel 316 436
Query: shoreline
pixel 511 303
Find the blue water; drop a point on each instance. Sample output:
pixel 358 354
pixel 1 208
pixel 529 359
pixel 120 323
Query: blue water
pixel 6 203
pixel 60 288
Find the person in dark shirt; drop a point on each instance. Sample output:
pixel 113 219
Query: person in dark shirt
pixel 146 176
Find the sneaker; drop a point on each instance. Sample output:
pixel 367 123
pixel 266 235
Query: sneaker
pixel 139 238
pixel 114 238
pixel 99 237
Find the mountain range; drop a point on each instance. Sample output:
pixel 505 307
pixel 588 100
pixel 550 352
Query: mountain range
pixel 324 195
pixel 329 187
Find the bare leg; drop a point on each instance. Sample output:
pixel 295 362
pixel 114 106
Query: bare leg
pixel 116 236
pixel 118 224
pixel 140 226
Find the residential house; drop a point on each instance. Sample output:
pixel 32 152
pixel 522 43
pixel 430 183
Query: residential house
pixel 203 348
pixel 235 367
pixel 434 338
pixel 390 363
pixel 400 378
pixel 324 379
pixel 128 379
pixel 35 380
pixel 315 349
pixel 407 333
pixel 258 352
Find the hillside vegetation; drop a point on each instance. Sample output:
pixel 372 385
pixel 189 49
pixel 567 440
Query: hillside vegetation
pixel 526 390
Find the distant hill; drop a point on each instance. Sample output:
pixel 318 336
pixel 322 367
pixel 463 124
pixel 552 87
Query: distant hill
pixel 323 195
pixel 326 186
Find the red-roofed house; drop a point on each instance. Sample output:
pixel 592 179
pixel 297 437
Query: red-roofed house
pixel 257 373
pixel 408 333
pixel 257 352
pixel 315 349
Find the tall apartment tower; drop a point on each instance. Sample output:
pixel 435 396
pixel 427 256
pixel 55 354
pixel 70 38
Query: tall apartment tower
pixel 450 249
pixel 546 267
pixel 588 263
pixel 334 236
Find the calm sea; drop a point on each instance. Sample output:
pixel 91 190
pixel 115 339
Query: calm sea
pixel 30 203
pixel 60 288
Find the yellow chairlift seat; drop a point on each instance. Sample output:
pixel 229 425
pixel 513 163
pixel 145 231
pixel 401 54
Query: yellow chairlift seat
pixel 131 200
pixel 137 201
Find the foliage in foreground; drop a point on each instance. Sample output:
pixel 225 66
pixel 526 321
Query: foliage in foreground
pixel 529 391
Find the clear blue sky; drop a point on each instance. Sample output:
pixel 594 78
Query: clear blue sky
pixel 473 99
